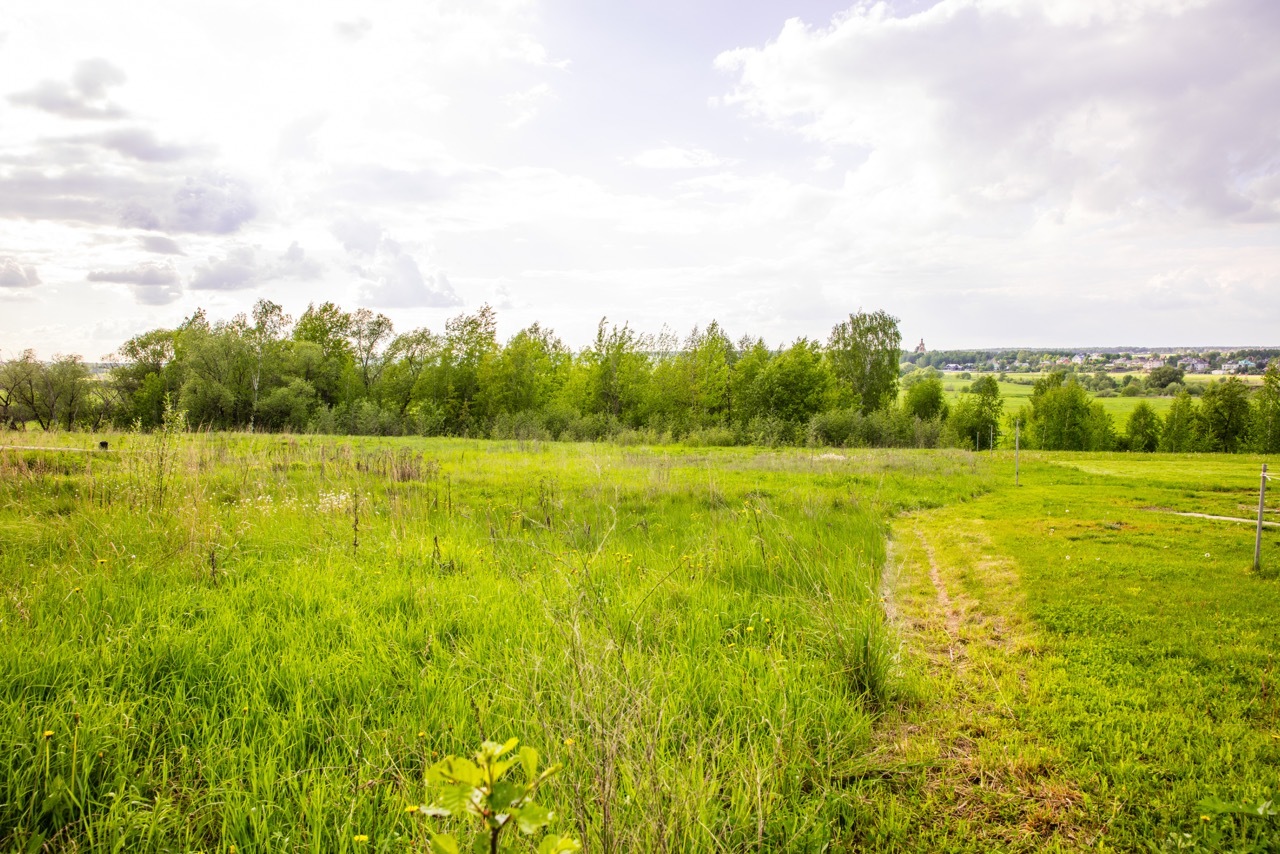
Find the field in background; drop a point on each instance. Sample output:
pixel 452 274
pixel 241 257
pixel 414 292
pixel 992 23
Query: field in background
pixel 1017 394
pixel 265 640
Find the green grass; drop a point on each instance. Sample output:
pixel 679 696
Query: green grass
pixel 1017 394
pixel 1116 664
pixel 273 657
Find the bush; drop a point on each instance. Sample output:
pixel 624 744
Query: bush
pixel 711 437
pixel 839 428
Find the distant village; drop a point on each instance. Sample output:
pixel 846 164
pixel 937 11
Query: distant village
pixel 1212 362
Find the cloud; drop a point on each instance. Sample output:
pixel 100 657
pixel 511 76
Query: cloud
pixel 213 204
pixel 139 144
pixel 526 104
pixel 241 268
pixel 145 273
pixel 354 30
pixel 235 271
pixel 373 184
pixel 15 275
pixel 160 244
pixel 294 264
pixel 83 98
pixel 676 157
pixel 207 204
pixel 1088 109
pixel 396 281
pixel 152 283
pixel 358 236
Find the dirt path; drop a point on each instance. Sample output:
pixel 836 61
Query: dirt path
pixel 963 754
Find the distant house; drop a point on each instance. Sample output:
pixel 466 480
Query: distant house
pixel 953 367
pixel 1152 364
pixel 1247 364
pixel 1079 359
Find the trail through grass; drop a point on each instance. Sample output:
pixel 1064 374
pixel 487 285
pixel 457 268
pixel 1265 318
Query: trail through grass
pixel 1091 670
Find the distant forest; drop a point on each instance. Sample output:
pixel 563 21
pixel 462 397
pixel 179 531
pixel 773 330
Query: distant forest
pixel 338 372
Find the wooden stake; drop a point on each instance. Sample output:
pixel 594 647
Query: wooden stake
pixel 1257 539
pixel 1017 441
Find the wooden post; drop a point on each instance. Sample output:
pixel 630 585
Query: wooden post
pixel 1017 440
pixel 1257 539
pixel 991 438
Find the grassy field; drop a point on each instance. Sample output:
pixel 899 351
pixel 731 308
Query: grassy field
pixel 263 642
pixel 1017 395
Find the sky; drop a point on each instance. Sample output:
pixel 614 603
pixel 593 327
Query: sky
pixel 994 173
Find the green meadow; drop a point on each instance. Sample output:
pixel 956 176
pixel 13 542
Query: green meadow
pixel 262 643
pixel 1016 395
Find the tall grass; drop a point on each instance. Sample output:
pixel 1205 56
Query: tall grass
pixel 268 644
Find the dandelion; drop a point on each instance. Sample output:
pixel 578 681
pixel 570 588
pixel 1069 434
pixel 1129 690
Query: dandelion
pixel 414 808
pixel 48 733
pixel 751 628
pixel 360 838
pixel 1206 554
pixel 102 561
pixel 421 734
pixel 568 742
pixel 1204 818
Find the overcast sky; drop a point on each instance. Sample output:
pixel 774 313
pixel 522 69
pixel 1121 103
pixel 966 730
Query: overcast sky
pixel 992 172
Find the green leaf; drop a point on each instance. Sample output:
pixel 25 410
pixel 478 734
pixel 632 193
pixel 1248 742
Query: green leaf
pixel 455 797
pixel 501 768
pixel 444 843
pixel 552 844
pixel 532 817
pixel 504 794
pixel 529 759
pixel 453 769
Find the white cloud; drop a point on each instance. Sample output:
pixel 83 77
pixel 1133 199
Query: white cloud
pixel 395 280
pixel 676 157
pixel 16 275
pixel 1085 107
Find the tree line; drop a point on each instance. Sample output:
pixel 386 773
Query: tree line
pixel 339 372
pixel 1229 417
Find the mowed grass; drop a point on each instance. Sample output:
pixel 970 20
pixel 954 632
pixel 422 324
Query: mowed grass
pixel 263 642
pixel 1102 673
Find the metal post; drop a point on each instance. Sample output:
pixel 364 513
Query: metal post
pixel 1257 539
pixel 1017 441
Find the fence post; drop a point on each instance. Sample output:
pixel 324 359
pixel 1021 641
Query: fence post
pixel 1257 539
pixel 1017 441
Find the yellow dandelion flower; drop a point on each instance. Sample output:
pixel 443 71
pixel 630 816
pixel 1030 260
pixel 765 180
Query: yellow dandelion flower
pixel 412 809
pixel 421 734
pixel 751 628
pixel 231 850
pixel 102 561
pixel 568 742
pixel 360 837
pixel 48 733
pixel 1204 818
